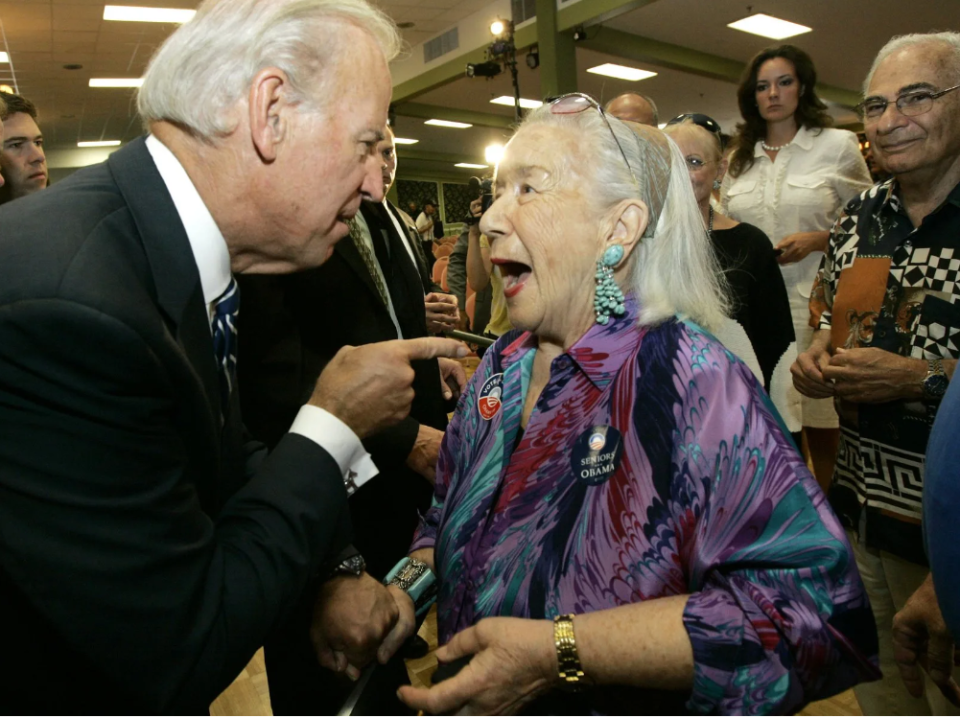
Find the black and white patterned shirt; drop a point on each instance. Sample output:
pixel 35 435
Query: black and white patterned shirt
pixel 884 283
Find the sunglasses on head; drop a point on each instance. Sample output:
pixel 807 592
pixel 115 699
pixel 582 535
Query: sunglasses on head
pixel 700 120
pixel 576 102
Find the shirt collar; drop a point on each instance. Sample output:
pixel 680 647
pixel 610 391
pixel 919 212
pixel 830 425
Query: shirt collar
pixel 599 353
pixel 209 247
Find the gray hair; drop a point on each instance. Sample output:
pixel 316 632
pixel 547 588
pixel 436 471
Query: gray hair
pixel 674 271
pixel 205 68
pixel 950 39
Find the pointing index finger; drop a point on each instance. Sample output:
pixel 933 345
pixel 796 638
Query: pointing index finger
pixel 431 348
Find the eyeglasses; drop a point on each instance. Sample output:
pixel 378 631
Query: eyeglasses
pixel 700 120
pixel 575 102
pixel 909 104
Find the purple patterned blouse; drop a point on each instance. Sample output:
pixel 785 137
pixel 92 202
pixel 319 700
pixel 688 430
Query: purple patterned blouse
pixel 653 465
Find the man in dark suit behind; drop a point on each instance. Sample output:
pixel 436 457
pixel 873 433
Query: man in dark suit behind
pixel 146 548
pixel 370 290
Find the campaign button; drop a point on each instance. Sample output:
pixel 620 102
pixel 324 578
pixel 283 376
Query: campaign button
pixel 596 454
pixel 489 401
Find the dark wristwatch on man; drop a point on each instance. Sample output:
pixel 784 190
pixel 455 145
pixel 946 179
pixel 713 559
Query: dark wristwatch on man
pixel 348 563
pixel 935 383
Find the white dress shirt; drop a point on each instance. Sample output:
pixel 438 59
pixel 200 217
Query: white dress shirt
pixel 213 263
pixel 802 191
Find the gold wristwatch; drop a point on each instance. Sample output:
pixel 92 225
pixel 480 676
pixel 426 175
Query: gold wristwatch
pixel 568 660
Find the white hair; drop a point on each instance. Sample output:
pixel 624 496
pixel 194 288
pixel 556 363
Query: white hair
pixel 674 271
pixel 950 39
pixel 205 68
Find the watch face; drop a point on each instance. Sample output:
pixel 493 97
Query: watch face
pixel 935 386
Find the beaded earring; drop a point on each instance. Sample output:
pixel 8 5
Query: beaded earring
pixel 608 299
pixel 716 184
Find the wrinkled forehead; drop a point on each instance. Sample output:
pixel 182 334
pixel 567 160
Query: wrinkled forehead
pixel 915 65
pixel 544 148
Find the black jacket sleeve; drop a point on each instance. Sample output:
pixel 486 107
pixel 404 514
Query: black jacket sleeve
pixel 103 523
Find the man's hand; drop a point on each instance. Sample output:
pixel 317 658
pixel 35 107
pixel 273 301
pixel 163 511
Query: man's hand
pixel 872 376
pixel 797 246
pixel 514 661
pixel 452 374
pixel 426 450
pixel 369 388
pixel 921 638
pixel 442 312
pixel 351 617
pixel 403 629
pixel 808 369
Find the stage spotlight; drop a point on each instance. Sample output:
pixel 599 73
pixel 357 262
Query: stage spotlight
pixel 497 27
pixel 483 69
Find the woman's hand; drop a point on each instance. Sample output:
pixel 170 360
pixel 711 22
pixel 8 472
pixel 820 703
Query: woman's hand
pixel 795 247
pixel 514 661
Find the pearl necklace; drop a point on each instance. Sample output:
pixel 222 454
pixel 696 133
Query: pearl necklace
pixel 768 148
pixel 710 221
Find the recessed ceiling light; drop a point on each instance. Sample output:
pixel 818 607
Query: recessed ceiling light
pixel 116 82
pixel 508 101
pixel 467 165
pixel 447 123
pixel 767 26
pixel 621 72
pixel 101 143
pixel 405 141
pixel 127 13
pixel 4 57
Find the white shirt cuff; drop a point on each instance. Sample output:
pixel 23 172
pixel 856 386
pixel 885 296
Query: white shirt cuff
pixel 338 440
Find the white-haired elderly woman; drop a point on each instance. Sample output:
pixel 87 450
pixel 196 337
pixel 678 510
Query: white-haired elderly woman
pixel 618 511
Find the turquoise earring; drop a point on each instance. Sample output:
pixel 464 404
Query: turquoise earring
pixel 608 298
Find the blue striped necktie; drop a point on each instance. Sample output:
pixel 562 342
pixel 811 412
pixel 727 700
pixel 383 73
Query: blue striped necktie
pixel 225 312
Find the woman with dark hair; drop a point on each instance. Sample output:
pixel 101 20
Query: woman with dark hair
pixel 790 175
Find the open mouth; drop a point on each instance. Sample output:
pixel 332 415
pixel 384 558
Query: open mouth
pixel 514 275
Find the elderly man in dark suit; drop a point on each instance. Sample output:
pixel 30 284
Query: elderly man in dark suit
pixel 147 549
pixel 371 289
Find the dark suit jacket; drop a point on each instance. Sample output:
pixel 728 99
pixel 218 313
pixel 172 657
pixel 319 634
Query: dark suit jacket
pixel 146 550
pixel 292 325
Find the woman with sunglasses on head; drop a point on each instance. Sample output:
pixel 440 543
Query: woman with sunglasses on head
pixel 759 329
pixel 617 509
pixel 790 175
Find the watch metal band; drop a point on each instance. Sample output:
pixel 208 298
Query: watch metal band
pixel 568 660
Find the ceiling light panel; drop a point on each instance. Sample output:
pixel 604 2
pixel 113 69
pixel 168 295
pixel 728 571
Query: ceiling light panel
pixel 116 82
pixel 4 57
pixel 100 143
pixel 621 72
pixel 127 13
pixel 405 141
pixel 469 166
pixel 769 26
pixel 447 123
pixel 508 101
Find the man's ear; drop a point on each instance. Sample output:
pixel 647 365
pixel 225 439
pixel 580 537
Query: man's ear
pixel 269 109
pixel 629 222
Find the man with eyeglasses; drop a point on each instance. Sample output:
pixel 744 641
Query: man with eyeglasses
pixel 888 318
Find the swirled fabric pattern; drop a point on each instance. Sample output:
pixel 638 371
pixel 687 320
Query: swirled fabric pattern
pixel 705 496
